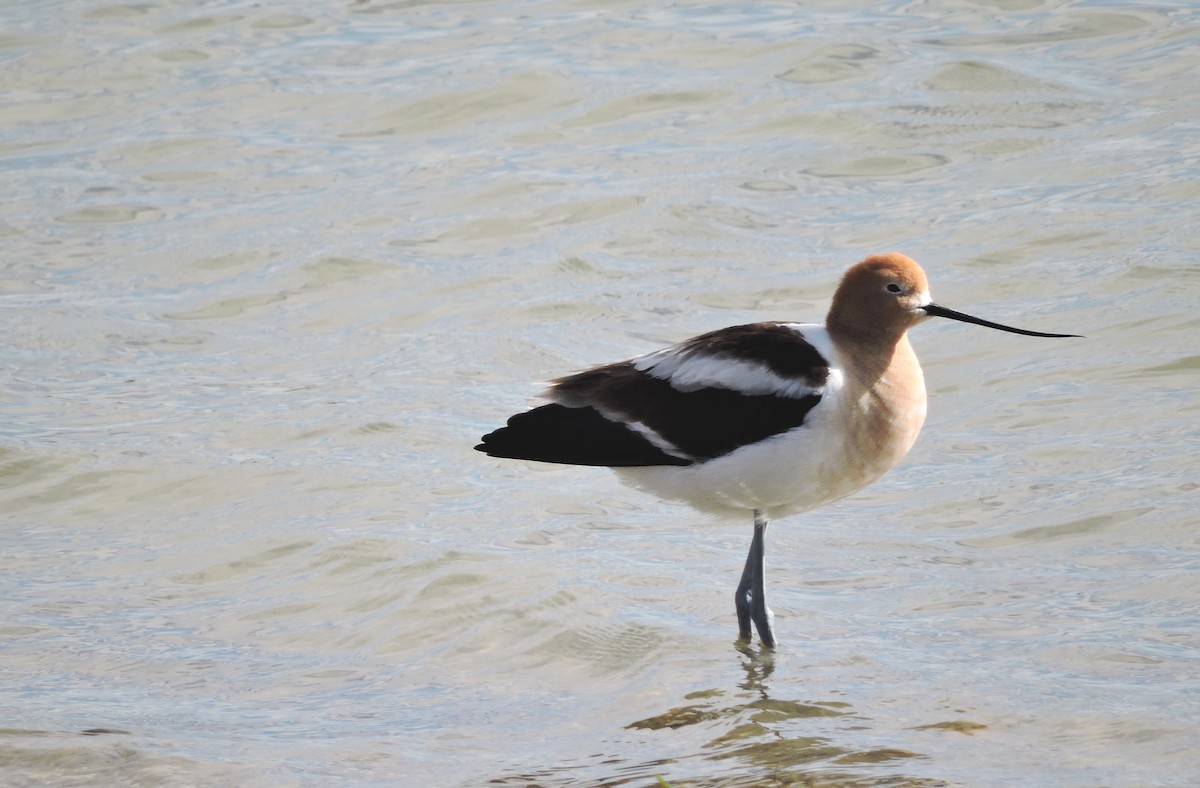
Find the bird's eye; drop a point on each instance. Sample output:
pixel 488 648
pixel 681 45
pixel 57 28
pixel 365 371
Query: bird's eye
pixel 892 287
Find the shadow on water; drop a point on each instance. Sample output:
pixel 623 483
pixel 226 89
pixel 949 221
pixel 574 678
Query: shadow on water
pixel 757 740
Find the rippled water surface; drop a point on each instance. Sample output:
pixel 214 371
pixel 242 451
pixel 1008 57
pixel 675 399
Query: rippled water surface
pixel 270 269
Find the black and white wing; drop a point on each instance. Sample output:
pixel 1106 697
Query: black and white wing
pixel 691 402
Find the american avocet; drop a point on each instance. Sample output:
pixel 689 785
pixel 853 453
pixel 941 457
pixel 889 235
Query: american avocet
pixel 773 418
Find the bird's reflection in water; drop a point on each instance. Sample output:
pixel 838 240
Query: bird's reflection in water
pixel 744 736
pixel 759 664
pixel 775 736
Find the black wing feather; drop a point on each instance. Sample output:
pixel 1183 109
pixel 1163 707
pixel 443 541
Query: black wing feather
pixel 702 424
pixel 573 436
pixel 601 416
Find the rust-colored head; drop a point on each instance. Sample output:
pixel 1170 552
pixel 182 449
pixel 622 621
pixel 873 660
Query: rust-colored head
pixel 879 299
pixel 887 294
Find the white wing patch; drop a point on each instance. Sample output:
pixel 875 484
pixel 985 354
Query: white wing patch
pixel 658 441
pixel 693 368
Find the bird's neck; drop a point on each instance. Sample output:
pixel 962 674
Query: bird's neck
pixel 886 399
pixel 871 357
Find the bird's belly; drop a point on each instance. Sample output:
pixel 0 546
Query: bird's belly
pixel 787 473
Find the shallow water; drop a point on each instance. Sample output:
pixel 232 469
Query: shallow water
pixel 269 271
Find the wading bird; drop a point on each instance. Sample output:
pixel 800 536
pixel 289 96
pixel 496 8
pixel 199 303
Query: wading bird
pixel 770 418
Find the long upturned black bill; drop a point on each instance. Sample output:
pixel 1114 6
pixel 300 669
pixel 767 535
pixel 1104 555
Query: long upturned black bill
pixel 934 310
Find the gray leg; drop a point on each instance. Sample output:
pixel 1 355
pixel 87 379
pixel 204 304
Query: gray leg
pixel 750 597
